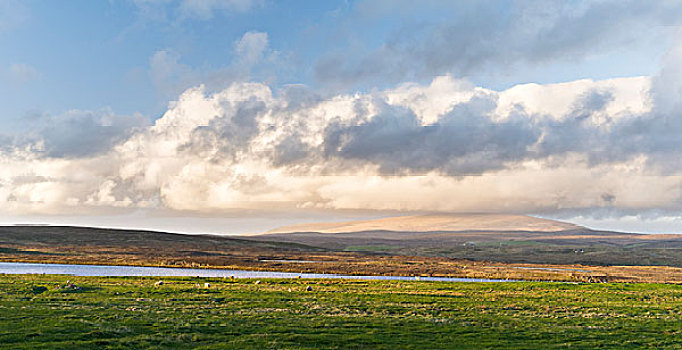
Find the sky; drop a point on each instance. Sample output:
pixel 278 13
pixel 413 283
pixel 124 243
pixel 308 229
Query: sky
pixel 232 116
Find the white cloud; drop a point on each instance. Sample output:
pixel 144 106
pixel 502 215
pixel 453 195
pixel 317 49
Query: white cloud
pixel 413 147
pixel 631 96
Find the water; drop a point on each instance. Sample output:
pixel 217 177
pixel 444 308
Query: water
pixel 110 270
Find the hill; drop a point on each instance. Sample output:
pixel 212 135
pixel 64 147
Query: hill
pixel 432 223
pixel 135 247
pixel 490 237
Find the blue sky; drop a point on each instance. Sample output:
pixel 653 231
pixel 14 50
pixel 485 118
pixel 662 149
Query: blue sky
pixel 263 102
pixel 94 54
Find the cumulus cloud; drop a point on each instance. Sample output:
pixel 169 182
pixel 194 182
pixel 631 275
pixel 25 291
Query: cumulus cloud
pixel 85 133
pixel 73 134
pixel 229 144
pixel 444 146
pixel 610 145
pixel 462 141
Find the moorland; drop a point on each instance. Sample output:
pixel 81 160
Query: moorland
pixel 480 246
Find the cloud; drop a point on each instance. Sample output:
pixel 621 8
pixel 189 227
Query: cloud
pixel 478 37
pixel 78 134
pixel 233 141
pixel 405 148
pixel 462 141
pixel 575 147
pixel 168 74
pixel 171 76
pixel 667 84
pixel 250 49
pixel 71 135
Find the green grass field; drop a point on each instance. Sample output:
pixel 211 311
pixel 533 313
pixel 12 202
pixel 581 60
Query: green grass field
pixel 41 311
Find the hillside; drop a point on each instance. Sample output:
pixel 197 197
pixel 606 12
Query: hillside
pixel 135 247
pixel 432 223
pixel 490 237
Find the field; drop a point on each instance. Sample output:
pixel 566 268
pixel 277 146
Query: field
pixel 43 311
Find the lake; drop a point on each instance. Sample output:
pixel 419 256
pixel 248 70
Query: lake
pixel 111 270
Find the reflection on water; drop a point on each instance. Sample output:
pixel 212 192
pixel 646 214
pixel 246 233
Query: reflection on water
pixel 106 270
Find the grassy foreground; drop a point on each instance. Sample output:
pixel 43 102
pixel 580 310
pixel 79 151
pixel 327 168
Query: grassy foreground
pixel 43 311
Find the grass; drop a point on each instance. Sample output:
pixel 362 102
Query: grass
pixel 4 250
pixel 508 243
pixel 42 311
pixel 370 248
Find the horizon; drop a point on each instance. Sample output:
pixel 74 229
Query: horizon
pixel 250 226
pixel 235 116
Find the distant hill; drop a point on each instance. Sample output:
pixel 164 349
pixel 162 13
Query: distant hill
pixel 414 234
pixel 487 237
pixel 432 223
pixel 490 237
